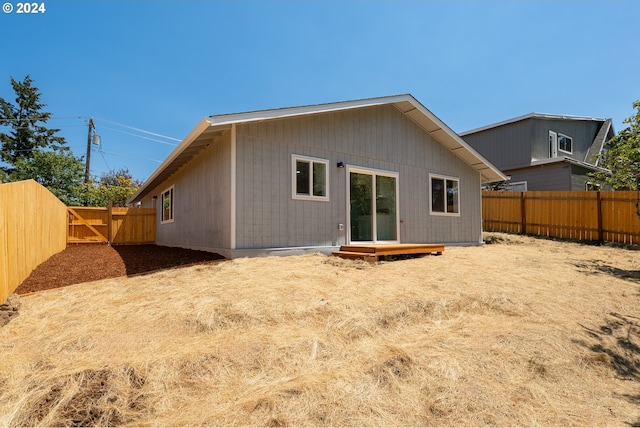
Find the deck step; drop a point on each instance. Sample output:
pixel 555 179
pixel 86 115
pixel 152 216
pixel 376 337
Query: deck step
pixel 373 252
pixel 355 255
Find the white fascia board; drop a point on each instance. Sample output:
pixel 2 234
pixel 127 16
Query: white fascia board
pixel 261 115
pixel 568 160
pixel 567 117
pixel 195 133
pixel 548 161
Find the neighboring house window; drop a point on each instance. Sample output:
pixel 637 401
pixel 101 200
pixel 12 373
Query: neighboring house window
pixel 561 142
pixel 565 143
pixel 310 178
pixel 553 144
pixel 167 205
pixel 589 185
pixel 517 186
pixel 445 195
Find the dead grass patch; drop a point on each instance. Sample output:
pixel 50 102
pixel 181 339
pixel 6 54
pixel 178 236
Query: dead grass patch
pixel 530 333
pixel 106 397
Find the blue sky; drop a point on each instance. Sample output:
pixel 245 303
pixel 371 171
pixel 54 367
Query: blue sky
pixel 161 66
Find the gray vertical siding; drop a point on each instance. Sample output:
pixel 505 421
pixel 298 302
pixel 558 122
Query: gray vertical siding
pixel 376 137
pixel 517 144
pixel 507 146
pixel 580 177
pixel 554 176
pixel 202 211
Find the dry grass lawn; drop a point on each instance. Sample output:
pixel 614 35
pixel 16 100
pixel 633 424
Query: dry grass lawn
pixel 524 332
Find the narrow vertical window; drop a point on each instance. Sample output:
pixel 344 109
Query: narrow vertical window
pixel 553 144
pixel 167 206
pixel 310 178
pixel 302 177
pixel 452 196
pixel 319 179
pixel 437 195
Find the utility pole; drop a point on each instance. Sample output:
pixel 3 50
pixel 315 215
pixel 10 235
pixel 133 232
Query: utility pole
pixel 92 129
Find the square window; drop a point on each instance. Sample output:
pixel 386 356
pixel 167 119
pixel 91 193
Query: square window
pixel 565 143
pixel 445 195
pixel 310 178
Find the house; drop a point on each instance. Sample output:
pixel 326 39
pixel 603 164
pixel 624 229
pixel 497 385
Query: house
pixel 312 178
pixel 544 151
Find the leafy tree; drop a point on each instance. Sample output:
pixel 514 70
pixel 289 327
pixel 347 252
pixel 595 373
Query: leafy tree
pixel 116 186
pixel 26 120
pixel 58 171
pixel 622 157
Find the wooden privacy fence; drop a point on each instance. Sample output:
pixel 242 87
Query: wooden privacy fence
pixel 112 225
pixel 32 229
pixel 589 216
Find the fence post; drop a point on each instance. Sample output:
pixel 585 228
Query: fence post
pixel 109 221
pixel 523 214
pixel 600 231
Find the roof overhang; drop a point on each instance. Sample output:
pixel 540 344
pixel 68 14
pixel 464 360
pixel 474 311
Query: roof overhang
pixel 199 138
pixel 564 159
pixel 210 127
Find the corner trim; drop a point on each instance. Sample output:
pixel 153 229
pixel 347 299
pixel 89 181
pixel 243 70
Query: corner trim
pixel 232 190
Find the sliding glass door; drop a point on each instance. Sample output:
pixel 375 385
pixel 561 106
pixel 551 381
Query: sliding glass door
pixel 373 206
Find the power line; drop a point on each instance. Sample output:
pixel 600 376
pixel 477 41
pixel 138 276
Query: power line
pixel 59 129
pixel 121 155
pixel 6 122
pixel 137 129
pixel 139 136
pixel 105 161
pixel 42 149
pixel 39 118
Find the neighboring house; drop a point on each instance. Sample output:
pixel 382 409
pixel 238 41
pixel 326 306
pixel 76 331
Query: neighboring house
pixel 291 180
pixel 544 151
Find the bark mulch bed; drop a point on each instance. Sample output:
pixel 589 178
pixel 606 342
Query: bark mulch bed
pixel 91 262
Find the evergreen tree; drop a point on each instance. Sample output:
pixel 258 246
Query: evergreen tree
pixel 30 150
pixel 26 122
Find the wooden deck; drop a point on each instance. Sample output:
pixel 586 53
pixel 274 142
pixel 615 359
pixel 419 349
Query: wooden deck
pixel 373 252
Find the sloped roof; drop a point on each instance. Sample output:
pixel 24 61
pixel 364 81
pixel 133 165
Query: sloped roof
pixel 529 116
pixel 605 133
pixel 212 126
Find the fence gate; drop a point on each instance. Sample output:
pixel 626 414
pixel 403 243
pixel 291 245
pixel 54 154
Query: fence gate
pixel 96 225
pixel 87 225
